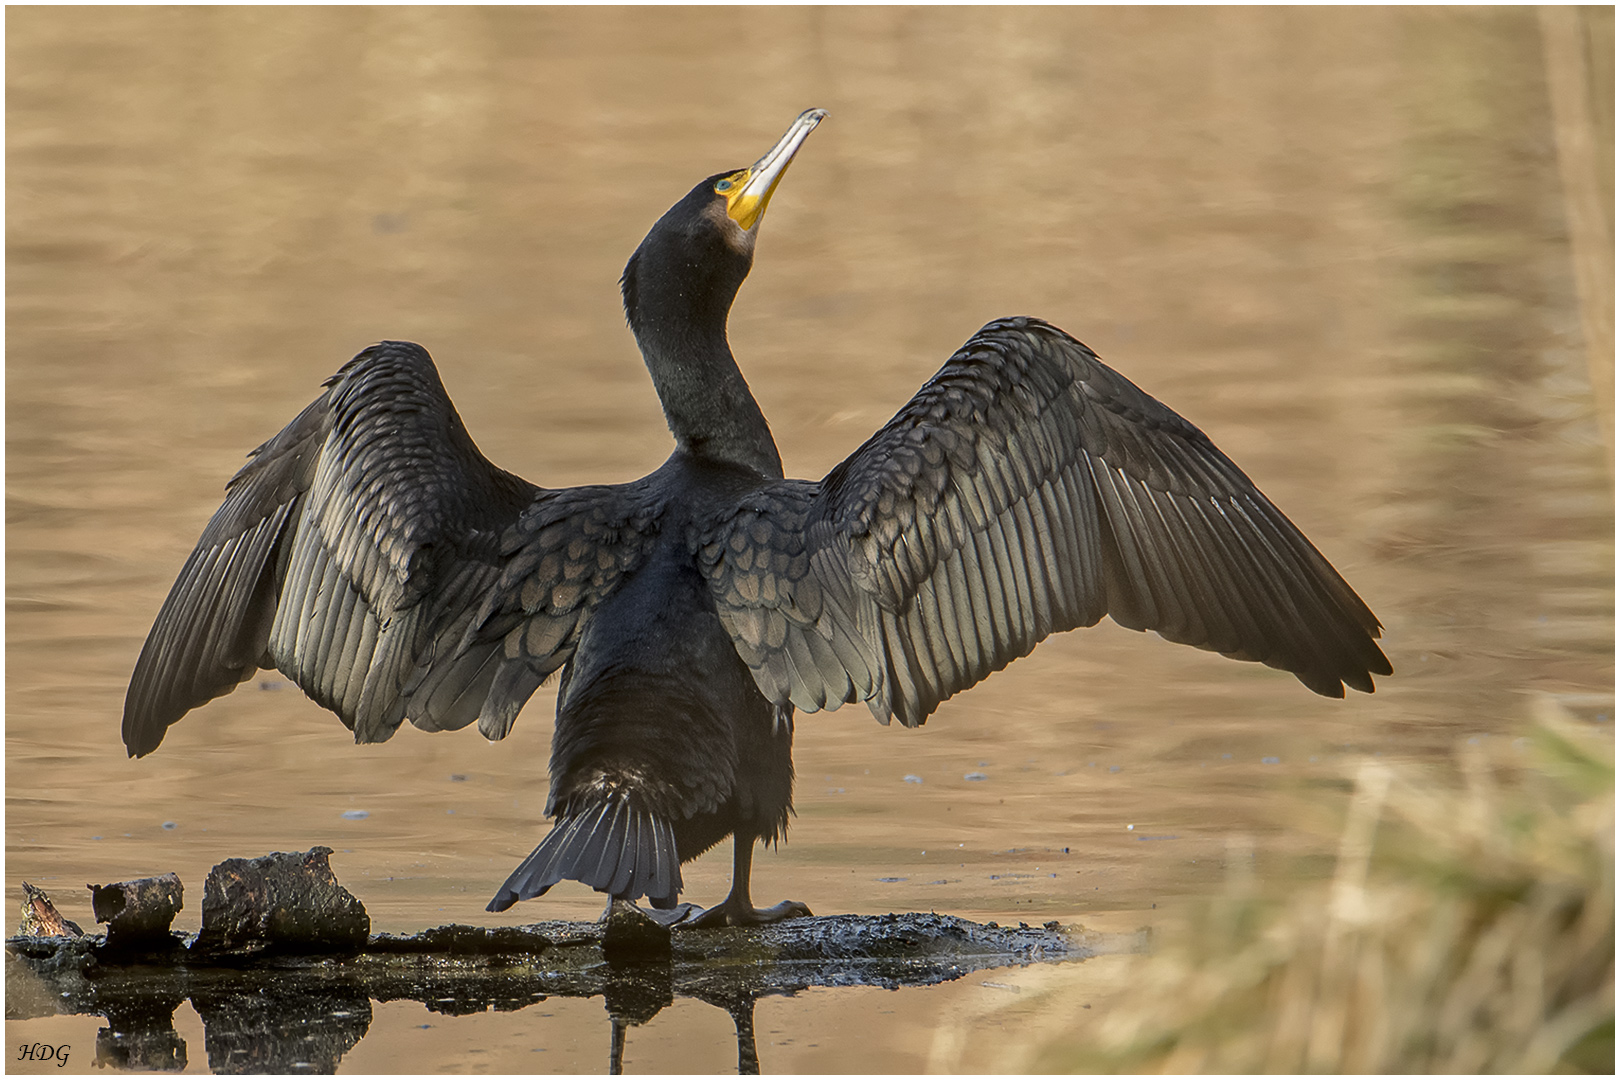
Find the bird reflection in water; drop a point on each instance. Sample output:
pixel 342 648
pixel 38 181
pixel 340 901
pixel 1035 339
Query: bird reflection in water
pixel 373 555
pixel 257 1021
pixel 740 1008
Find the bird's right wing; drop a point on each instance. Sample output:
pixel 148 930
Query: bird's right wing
pixel 362 552
pixel 1026 489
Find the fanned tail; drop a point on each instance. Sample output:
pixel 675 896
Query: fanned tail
pixel 613 846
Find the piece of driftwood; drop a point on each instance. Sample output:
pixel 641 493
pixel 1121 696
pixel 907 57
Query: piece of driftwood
pixel 138 913
pixel 40 917
pixel 284 903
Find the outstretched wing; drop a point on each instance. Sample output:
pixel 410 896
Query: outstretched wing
pixel 355 552
pixel 1026 489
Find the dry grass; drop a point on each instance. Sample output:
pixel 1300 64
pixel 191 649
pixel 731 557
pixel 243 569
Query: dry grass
pixel 1468 927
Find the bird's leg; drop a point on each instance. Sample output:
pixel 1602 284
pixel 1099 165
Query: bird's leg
pixel 738 909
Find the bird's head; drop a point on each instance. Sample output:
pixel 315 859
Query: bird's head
pixel 741 196
pixel 703 246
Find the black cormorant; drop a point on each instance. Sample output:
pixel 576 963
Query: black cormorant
pixel 373 555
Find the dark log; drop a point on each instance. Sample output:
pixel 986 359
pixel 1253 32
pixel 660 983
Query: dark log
pixel 284 903
pixel 138 913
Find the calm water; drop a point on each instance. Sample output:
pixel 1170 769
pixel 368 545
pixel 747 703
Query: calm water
pixel 1336 240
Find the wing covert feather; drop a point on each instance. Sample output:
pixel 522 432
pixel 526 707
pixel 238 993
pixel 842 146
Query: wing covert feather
pixel 566 553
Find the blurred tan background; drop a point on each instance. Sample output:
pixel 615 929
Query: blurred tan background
pixel 1364 249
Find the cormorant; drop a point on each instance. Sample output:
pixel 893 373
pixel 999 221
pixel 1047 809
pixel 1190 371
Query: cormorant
pixel 373 555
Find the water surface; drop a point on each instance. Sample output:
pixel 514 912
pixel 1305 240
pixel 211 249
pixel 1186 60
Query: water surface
pixel 1337 240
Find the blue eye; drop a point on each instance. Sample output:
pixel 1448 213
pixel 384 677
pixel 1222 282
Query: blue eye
pixel 724 185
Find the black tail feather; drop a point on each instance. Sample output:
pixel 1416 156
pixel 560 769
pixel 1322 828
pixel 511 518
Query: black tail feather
pixel 613 846
pixel 627 867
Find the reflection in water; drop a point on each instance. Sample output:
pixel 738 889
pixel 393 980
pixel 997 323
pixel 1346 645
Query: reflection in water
pixel 140 1034
pixel 1333 237
pixel 740 1008
pixel 301 1015
pixel 275 1028
pixel 258 1025
pixel 636 993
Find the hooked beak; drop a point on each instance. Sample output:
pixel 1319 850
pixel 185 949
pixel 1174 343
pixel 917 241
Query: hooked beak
pixel 745 204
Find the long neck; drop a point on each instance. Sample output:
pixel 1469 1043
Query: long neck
pixel 678 290
pixel 710 410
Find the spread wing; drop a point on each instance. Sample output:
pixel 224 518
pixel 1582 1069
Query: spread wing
pixel 1026 489
pixel 356 552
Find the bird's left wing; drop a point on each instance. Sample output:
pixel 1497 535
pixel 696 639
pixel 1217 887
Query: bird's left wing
pixel 1026 489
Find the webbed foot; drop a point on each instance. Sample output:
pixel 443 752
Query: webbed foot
pixel 729 913
pixel 674 916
